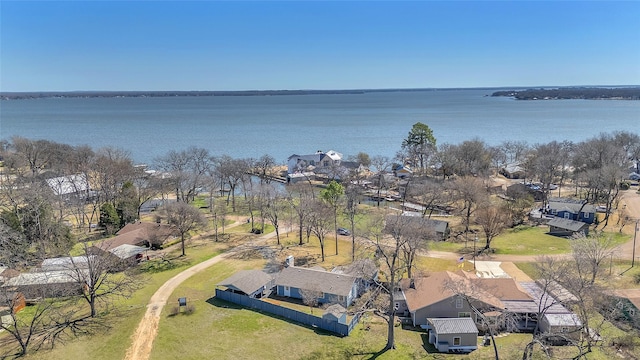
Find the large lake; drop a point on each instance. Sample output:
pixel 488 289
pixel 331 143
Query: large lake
pixel 250 126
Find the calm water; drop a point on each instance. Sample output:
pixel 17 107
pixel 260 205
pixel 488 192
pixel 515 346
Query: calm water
pixel 250 126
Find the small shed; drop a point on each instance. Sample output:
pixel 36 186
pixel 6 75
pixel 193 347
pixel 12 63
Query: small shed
pixel 252 283
pixel 566 227
pixel 337 313
pixel 453 335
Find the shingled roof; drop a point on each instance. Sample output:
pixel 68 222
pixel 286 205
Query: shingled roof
pixel 310 279
pixel 247 281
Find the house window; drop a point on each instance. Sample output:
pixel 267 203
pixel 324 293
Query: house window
pixel 340 298
pixel 456 341
pixel 632 312
pixel 321 295
pixel 286 288
pixel 396 306
pixel 567 215
pixel 585 215
pixel 459 303
pixel 326 163
pixel 564 330
pixel 464 314
pixel 312 163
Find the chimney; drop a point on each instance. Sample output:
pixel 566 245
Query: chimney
pixel 289 261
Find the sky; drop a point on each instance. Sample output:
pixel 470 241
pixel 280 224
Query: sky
pixel 273 45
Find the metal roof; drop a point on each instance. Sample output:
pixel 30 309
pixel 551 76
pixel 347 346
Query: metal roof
pixel 453 325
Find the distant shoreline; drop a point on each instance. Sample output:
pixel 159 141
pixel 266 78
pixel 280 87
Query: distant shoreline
pixel 581 93
pixel 521 93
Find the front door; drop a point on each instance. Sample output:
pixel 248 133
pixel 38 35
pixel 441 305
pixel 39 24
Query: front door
pixel 287 291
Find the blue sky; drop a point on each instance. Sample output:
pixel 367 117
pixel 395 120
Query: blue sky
pixel 242 45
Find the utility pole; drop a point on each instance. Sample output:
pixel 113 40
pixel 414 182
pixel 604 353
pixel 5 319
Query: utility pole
pixel 474 251
pixel 633 253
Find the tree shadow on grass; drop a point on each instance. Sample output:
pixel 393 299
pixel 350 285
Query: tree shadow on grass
pixel 229 305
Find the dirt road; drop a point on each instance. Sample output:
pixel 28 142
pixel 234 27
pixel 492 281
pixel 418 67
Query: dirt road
pixel 145 334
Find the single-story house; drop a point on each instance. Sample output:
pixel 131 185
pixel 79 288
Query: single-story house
pixel 65 263
pixel 572 209
pixel 46 284
pixel 565 227
pixel 336 313
pixel 70 186
pixel 561 328
pixel 331 287
pixel 453 335
pixel 140 234
pixel 252 283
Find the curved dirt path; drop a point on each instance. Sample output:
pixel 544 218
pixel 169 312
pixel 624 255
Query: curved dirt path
pixel 145 334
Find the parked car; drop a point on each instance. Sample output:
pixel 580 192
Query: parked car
pixel 343 231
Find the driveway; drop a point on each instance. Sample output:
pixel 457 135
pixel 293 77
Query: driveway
pixel 145 334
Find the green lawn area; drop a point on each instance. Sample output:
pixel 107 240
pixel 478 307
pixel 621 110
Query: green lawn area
pixel 228 331
pixel 112 341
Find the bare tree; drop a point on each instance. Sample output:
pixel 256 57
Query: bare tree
pixel 310 297
pixel 184 218
pixel 189 170
pixel 98 272
pixel 300 197
pixel 492 219
pixel 469 192
pixel 273 206
pixel 320 222
pixel 388 235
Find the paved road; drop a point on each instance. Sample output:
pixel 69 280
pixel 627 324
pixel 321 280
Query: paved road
pixel 145 334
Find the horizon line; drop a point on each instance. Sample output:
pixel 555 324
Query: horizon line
pixel 322 90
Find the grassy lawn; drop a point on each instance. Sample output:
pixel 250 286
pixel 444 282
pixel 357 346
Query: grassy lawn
pixel 112 342
pixel 228 331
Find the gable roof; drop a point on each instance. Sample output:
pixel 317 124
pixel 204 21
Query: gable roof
pixel 310 279
pixel 247 281
pixel 137 234
pixel 433 289
pixel 633 295
pixel 453 325
pixel 567 224
pixel 70 184
pixel 45 278
pixel 571 205
pixel 65 263
pixel 126 251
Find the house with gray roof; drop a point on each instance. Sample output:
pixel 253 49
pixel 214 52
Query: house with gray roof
pixel 453 335
pixel 47 283
pixel 331 287
pixel 252 283
pixel 69 186
pixel 572 209
pixel 566 227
